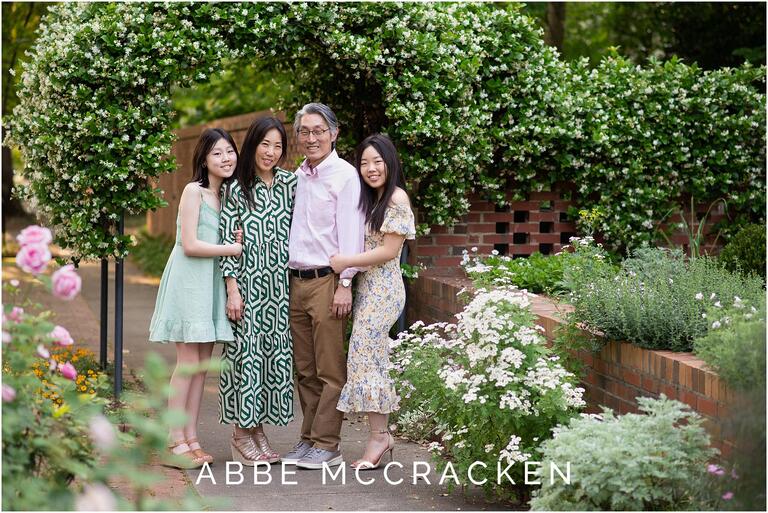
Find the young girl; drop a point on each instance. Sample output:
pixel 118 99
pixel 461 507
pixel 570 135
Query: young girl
pixel 190 308
pixel 380 293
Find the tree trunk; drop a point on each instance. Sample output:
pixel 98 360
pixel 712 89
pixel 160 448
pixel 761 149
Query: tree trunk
pixel 555 25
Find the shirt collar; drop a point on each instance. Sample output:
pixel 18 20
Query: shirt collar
pixel 325 164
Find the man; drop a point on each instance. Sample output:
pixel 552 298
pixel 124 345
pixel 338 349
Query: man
pixel 326 221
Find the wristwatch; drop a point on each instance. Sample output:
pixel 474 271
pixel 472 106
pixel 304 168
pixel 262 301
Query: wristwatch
pixel 346 283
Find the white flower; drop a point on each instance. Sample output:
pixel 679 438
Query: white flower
pixel 699 296
pixel 716 325
pixel 95 497
pixel 435 447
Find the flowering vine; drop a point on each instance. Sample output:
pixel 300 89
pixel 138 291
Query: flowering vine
pixel 471 94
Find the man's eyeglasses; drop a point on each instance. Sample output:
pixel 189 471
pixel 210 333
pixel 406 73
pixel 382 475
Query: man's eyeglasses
pixel 316 132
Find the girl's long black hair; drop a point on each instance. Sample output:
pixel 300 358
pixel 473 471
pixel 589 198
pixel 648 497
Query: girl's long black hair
pixel 246 165
pixel 370 203
pixel 205 144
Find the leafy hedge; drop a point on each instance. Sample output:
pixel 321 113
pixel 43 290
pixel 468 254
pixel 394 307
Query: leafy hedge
pixel 646 138
pixel 470 93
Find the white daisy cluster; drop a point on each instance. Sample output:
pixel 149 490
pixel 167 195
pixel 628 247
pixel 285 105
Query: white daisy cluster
pixel 493 367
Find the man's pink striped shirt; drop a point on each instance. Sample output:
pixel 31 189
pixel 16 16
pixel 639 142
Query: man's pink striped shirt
pixel 326 217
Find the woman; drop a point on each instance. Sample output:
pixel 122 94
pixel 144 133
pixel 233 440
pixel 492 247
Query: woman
pixel 190 302
pixel 380 293
pixel 257 383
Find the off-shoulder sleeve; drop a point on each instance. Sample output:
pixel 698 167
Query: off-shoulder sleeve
pixel 399 219
pixel 230 221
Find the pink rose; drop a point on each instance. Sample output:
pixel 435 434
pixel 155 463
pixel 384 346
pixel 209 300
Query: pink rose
pixel 43 352
pixel 102 432
pixel 14 315
pixel 34 235
pixel 9 394
pixel 68 370
pixel 33 258
pixel 61 336
pixel 727 496
pixel 66 283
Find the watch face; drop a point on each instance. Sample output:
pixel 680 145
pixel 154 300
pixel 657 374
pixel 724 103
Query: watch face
pixel 346 282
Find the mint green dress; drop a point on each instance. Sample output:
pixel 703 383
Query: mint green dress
pixel 191 301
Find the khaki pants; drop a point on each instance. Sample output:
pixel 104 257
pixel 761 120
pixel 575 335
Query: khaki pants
pixel 318 351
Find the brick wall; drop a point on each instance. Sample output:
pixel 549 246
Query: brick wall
pixel 541 223
pixel 616 375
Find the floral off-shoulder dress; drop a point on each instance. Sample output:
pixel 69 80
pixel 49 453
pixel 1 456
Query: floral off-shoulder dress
pixel 379 300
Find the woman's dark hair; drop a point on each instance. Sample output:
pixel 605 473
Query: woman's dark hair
pixel 246 164
pixel 370 203
pixel 205 144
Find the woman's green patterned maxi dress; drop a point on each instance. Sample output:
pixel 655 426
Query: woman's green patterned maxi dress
pixel 256 384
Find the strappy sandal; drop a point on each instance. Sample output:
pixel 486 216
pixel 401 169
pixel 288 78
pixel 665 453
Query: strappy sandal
pixel 199 452
pixel 367 465
pixel 183 460
pixel 261 441
pixel 246 452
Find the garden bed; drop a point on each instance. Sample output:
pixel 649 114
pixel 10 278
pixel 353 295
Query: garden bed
pixel 616 375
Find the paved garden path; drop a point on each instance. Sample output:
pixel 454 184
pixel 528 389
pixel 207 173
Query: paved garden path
pixel 309 493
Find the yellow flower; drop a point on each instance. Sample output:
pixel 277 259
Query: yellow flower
pixel 91 391
pixel 61 410
pixel 83 388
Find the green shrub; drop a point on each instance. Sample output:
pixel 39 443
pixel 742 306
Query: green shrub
pixel 536 273
pixel 746 251
pixel 151 252
pixel 495 389
pixel 659 301
pixel 643 136
pixel 632 462
pixel 736 350
pixel 552 275
pixel 736 347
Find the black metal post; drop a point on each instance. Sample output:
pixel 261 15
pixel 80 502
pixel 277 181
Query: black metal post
pixel 118 360
pixel 401 319
pixel 104 303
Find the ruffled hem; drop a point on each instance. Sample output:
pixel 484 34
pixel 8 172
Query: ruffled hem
pixel 363 397
pixel 174 330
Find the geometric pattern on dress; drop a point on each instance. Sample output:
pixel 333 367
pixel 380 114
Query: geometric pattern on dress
pixel 256 384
